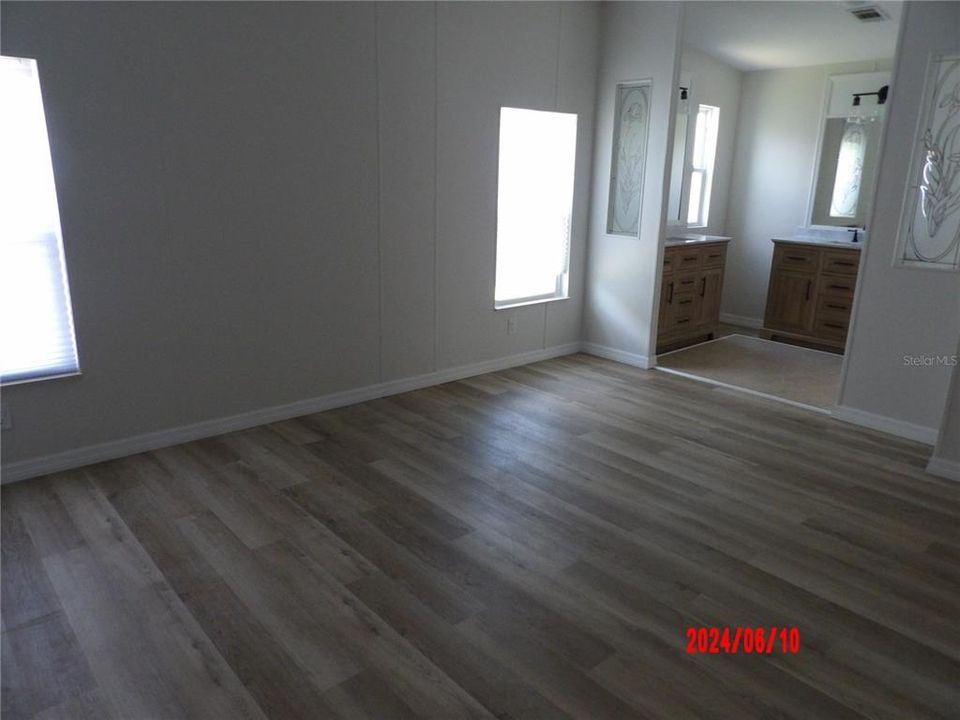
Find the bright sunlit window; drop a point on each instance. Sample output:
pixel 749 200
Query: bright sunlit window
pixel 701 175
pixel 534 204
pixel 36 326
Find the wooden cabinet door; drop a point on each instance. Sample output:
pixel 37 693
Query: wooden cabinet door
pixel 791 301
pixel 668 295
pixel 709 290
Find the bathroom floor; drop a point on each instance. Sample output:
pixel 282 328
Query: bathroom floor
pixel 788 372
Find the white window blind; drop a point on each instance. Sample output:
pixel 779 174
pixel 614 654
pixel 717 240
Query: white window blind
pixel 701 174
pixel 36 325
pixel 534 205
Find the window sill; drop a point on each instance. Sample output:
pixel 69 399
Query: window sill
pixel 42 378
pixel 524 303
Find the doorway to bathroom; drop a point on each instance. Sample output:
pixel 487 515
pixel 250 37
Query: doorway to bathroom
pixel 790 174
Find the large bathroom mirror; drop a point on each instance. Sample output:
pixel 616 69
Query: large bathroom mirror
pixel 849 150
pixel 678 164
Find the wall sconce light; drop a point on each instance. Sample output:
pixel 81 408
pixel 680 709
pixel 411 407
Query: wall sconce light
pixel 881 96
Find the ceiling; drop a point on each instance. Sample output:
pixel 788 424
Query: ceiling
pixel 768 35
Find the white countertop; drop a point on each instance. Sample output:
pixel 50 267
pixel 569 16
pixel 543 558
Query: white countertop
pixel 693 239
pixel 846 244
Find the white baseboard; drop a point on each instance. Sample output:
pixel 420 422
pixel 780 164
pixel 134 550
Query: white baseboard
pixel 941 467
pixel 627 358
pixel 900 428
pixel 741 320
pixel 123 447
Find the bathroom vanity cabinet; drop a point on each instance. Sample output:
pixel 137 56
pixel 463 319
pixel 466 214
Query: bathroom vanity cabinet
pixel 690 292
pixel 810 295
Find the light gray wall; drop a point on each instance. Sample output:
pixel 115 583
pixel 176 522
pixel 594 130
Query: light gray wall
pixel 947 450
pixel 718 84
pixel 264 203
pixel 903 312
pixel 774 160
pixel 640 40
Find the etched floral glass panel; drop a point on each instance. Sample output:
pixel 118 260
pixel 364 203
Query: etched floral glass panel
pixel 930 221
pixel 631 126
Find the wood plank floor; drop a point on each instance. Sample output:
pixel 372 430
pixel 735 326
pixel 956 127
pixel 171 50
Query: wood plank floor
pixel 531 543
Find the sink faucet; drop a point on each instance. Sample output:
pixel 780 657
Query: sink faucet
pixel 854 231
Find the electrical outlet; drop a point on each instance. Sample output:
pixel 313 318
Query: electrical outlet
pixel 6 422
pixel 511 326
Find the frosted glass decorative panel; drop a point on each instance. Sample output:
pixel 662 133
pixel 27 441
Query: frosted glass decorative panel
pixel 930 221
pixel 631 126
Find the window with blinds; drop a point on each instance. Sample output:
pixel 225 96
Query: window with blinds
pixel 534 205
pixel 36 324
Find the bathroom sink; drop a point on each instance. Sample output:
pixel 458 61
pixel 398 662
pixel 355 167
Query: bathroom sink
pixel 691 238
pixel 834 242
pixel 836 236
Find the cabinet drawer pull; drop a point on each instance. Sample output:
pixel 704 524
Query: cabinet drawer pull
pixel 809 288
pixel 681 322
pixel 686 282
pixel 836 307
pixel 684 302
pixel 713 256
pixel 846 263
pixel 798 258
pixel 834 325
pixel 839 287
pixel 670 297
pixel 703 286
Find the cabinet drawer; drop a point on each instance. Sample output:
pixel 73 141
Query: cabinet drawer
pixel 834 307
pixel 841 286
pixel 796 258
pixel 713 256
pixel 685 303
pixel 687 283
pixel 843 262
pixel 830 328
pixel 685 313
pixel 669 259
pixel 687 259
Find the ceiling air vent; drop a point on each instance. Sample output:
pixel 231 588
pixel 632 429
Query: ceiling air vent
pixel 865 12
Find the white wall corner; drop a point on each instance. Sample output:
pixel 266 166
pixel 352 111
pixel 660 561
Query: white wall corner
pixel 941 467
pixel 893 426
pixel 622 356
pixel 79 457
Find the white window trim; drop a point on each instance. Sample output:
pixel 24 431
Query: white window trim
pixel 41 378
